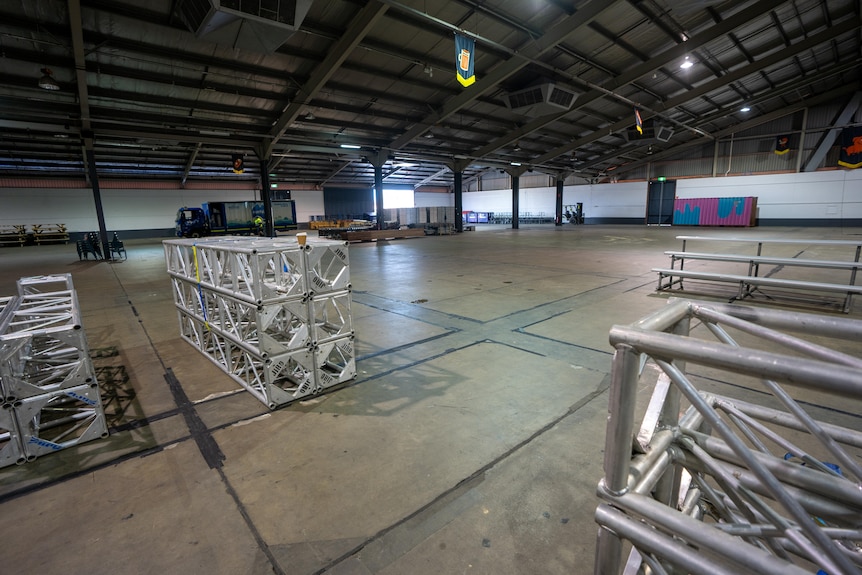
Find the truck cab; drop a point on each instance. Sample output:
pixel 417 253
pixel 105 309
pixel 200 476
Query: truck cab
pixel 192 223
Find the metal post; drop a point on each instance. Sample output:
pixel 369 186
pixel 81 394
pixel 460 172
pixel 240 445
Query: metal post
pixel 266 197
pixel 516 184
pixel 97 198
pixel 459 205
pixel 561 180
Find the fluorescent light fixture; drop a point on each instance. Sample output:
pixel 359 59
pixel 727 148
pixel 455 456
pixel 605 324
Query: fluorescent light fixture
pixel 745 109
pixel 515 163
pixel 273 185
pixel 686 64
pixel 351 146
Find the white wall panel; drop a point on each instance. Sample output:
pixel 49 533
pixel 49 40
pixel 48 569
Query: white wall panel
pixel 491 201
pixel 433 199
pixel 308 203
pixel 834 194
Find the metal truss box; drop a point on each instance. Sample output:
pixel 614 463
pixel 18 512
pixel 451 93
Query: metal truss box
pixel 331 317
pixel 50 396
pixel 327 265
pixel 335 362
pixel 43 284
pixel 251 270
pixel 11 452
pixel 51 422
pixel 273 380
pixel 273 314
pixel 266 330
pixel 36 363
pixel 260 270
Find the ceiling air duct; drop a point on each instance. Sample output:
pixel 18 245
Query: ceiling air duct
pixel 541 99
pixel 255 25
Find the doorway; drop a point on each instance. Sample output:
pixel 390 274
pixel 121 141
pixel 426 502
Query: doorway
pixel 660 197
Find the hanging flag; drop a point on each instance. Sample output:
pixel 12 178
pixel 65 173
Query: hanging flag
pixel 237 163
pixel 851 147
pixel 639 123
pixel 464 59
pixel 782 145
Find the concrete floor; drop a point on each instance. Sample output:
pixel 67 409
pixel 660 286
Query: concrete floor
pixel 470 442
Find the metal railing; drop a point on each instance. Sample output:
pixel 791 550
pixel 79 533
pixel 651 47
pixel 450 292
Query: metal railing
pixel 708 483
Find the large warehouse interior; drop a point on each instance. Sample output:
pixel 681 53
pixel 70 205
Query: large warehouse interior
pixel 532 391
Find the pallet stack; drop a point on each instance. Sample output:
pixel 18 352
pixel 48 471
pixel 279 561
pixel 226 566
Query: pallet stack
pixel 273 314
pixel 50 395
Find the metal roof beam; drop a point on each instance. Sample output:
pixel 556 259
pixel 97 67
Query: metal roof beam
pixel 678 51
pixel 703 89
pixel 359 27
pixel 829 137
pixel 532 50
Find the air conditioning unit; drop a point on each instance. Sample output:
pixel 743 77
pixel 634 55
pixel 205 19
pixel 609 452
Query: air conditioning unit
pixel 663 133
pixel 258 25
pixel 541 99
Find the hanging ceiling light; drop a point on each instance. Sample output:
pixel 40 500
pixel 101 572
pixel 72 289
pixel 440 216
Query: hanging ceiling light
pixel 686 64
pixel 745 109
pixel 310 116
pixel 46 82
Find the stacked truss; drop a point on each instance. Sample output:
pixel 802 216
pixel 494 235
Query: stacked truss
pixel 711 483
pixel 274 315
pixel 50 395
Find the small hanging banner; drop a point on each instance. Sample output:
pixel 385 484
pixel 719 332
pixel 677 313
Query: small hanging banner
pixel 237 163
pixel 464 59
pixel 782 145
pixel 851 147
pixel 639 123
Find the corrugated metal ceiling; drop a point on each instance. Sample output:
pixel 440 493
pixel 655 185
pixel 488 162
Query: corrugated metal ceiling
pixel 157 101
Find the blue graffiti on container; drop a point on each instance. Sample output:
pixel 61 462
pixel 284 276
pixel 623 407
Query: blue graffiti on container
pixel 689 216
pixel 727 206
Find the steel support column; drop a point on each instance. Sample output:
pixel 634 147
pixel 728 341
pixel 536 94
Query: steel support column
pixel 97 199
pixel 558 217
pixel 378 159
pixel 266 197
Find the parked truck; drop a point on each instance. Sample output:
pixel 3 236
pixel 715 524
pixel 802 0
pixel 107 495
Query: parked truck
pixel 237 218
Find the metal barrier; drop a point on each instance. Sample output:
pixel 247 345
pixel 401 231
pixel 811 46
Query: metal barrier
pixel 710 484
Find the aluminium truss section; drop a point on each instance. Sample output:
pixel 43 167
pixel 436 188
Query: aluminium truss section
pixel 42 346
pixel 327 266
pixel 274 380
pixel 11 451
pixel 255 271
pixel 55 421
pixel 42 284
pixel 746 458
pixel 334 362
pixel 267 330
pixel 36 363
pixel 44 311
pixel 330 316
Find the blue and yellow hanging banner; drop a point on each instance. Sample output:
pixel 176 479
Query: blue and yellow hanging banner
pixel 639 123
pixel 464 59
pixel 782 145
